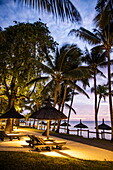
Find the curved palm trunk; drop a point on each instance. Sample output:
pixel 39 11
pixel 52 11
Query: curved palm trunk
pixel 96 112
pixel 110 95
pixel 63 101
pixel 98 104
pixel 70 111
pixel 56 93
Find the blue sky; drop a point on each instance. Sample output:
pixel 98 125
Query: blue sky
pixel 9 12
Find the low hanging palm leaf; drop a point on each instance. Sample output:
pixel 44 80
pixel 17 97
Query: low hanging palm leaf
pixel 39 79
pixel 86 35
pixel 68 106
pixel 78 88
pixel 63 9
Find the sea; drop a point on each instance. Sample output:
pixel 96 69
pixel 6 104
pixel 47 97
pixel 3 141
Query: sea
pixel 84 133
pixel 91 128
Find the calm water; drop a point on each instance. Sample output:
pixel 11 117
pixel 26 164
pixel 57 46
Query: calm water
pixel 91 127
pixel 90 124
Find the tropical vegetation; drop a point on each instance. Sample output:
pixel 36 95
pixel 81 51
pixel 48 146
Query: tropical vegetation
pixel 102 37
pixel 33 67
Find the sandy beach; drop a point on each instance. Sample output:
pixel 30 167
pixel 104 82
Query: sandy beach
pixel 75 147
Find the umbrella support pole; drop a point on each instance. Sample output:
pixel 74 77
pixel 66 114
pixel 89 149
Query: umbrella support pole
pixel 48 126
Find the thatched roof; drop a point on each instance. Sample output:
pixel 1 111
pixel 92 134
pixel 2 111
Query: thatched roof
pixel 49 113
pixel 104 126
pixel 33 115
pixel 12 113
pixel 80 125
pixel 65 124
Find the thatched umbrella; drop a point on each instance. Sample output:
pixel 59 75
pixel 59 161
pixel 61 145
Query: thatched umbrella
pixel 33 115
pixel 104 126
pixel 65 124
pixel 49 113
pixel 12 113
pixel 81 126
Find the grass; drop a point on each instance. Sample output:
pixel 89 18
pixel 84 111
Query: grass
pixel 36 161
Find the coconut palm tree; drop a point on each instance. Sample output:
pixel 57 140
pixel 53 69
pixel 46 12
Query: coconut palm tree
pixel 85 83
pixel 104 38
pixel 63 9
pixel 104 15
pixel 94 59
pixel 64 68
pixel 104 20
pixel 102 91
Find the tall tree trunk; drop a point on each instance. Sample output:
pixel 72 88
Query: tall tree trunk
pixel 63 101
pixel 98 104
pixel 72 98
pixel 9 122
pixel 110 95
pixel 96 114
pixel 64 97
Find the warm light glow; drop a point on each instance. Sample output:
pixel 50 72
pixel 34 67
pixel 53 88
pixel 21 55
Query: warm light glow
pixel 52 153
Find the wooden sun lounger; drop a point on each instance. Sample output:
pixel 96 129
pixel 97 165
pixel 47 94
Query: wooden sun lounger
pixel 49 144
pixel 39 143
pixel 10 136
pixel 34 140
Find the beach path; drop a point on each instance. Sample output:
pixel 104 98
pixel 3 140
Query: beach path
pixel 71 149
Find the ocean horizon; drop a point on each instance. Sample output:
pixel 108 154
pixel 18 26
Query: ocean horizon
pixel 91 127
pixel 73 130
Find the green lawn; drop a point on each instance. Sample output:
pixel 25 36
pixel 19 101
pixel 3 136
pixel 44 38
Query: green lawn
pixel 37 161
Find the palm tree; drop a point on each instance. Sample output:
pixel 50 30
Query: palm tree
pixel 104 9
pixel 104 38
pixel 95 58
pixel 64 68
pixel 102 91
pixel 63 9
pixel 70 107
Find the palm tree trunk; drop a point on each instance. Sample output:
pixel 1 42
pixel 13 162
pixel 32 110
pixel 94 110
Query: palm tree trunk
pixel 96 114
pixel 110 95
pixel 98 104
pixel 64 97
pixel 72 98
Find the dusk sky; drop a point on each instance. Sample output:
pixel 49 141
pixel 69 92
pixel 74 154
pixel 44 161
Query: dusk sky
pixel 10 11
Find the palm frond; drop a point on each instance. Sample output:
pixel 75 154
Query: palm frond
pixel 49 62
pixel 68 106
pixel 79 73
pixel 39 79
pixel 63 9
pixel 104 9
pixel 78 88
pixel 48 87
pixel 85 35
pixel 46 69
pixel 101 73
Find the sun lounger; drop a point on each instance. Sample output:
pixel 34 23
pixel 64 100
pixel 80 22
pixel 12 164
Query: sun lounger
pixel 49 144
pixel 38 143
pixel 35 140
pixel 10 136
